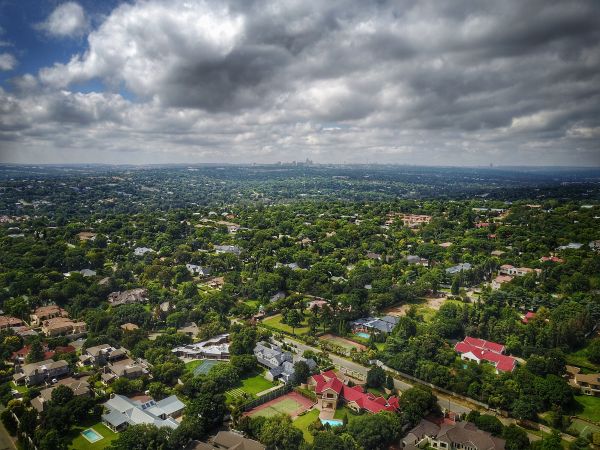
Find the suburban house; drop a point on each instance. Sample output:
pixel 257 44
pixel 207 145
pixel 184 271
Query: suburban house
pixel 415 259
pixel 62 326
pixel 595 245
pixel 458 268
pixel 123 411
pixel 227 440
pixel 233 249
pixel 10 322
pixel 451 436
pixel 20 355
pixel 197 270
pixel 374 324
pixel 214 348
pixel 80 388
pixel 527 317
pixel 507 269
pixel 101 355
pixel 129 326
pixel 375 256
pixel 477 350
pixel 570 246
pixel 127 368
pixel 40 372
pixel 330 390
pixel 280 363
pixel 589 384
pixel 414 220
pixel 554 259
pixel 500 280
pixel 45 313
pixel 141 251
pixel 138 295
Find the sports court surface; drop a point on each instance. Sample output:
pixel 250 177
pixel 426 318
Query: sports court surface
pixel 291 404
pixel 205 366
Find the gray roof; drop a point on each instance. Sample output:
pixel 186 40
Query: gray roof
pixel 125 410
pixel 384 324
pixel 458 268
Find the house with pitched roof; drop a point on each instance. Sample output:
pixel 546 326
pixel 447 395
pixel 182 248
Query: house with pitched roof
pixel 280 364
pixel 214 348
pixel 123 411
pixel 228 440
pixel 374 324
pixel 43 371
pixel 477 350
pixel 331 391
pixel 451 436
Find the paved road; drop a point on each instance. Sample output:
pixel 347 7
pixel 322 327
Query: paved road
pixel 6 442
pixel 444 402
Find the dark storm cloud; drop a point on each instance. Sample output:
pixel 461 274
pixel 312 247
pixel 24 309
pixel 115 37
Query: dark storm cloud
pixel 406 81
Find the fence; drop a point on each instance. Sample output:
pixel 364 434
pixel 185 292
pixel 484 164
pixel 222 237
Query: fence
pixel 268 397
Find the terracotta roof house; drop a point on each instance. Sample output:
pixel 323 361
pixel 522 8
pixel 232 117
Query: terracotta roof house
pixel 20 355
pixel 127 368
pixel 61 326
pixel 527 317
pixel 477 350
pixel 10 322
pixel 46 312
pixel 330 389
pixel 451 436
pixel 500 280
pixel 554 259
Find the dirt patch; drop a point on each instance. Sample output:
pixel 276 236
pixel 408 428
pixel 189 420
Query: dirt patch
pixel 429 302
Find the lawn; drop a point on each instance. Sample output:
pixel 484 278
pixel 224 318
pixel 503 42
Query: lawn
pixel 275 322
pixel 251 385
pixel 81 443
pixel 344 410
pixel 583 428
pixel 302 423
pixel 21 389
pixel 590 407
pixel 347 344
pixel 377 392
pixel 580 359
pixel 252 303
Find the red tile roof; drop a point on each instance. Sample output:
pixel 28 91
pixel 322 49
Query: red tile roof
pixel 487 351
pixel 530 315
pixel 365 400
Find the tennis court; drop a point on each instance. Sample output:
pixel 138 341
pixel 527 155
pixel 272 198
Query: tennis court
pixel 291 404
pixel 205 366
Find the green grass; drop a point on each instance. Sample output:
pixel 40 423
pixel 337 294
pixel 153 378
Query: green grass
pixel 589 407
pixel 377 392
pixel 81 443
pixel 580 359
pixel 344 410
pixel 252 303
pixel 303 422
pixel 583 428
pixel 251 385
pixel 275 322
pixel 21 389
pixel 204 364
pixel 345 343
pixel 286 406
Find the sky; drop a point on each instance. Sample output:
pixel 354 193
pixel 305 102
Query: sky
pixel 424 82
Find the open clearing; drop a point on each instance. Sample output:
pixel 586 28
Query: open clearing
pixel 275 322
pixel 342 342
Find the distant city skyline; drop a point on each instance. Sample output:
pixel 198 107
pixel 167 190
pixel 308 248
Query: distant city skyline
pixel 462 83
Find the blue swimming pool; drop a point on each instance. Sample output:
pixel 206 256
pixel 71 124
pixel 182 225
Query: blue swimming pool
pixel 91 435
pixel 332 422
pixel 363 335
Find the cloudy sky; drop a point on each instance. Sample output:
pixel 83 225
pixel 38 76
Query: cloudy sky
pixel 508 82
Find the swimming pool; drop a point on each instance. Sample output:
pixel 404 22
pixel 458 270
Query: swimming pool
pixel 363 335
pixel 91 435
pixel 332 422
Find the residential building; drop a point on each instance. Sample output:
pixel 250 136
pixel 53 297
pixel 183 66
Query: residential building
pixel 43 371
pixel 374 324
pixel 414 220
pixel 595 245
pixel 102 354
pixel 127 368
pixel 527 317
pixel 374 256
pixel 197 270
pixel 330 391
pixel 227 440
pixel 477 350
pixel 570 246
pixel 123 411
pixel 20 355
pixel 80 388
pixel 451 436
pixel 214 348
pixel 10 322
pixel 507 269
pixel 280 363
pixel 233 249
pixel 458 268
pixel 141 251
pixel 129 326
pixel 500 280
pixel 62 326
pixel 45 313
pixel 139 295
pixel 417 260
pixel 588 383
pixel 554 259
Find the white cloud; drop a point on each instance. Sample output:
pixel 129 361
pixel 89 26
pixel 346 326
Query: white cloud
pixel 7 61
pixel 67 20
